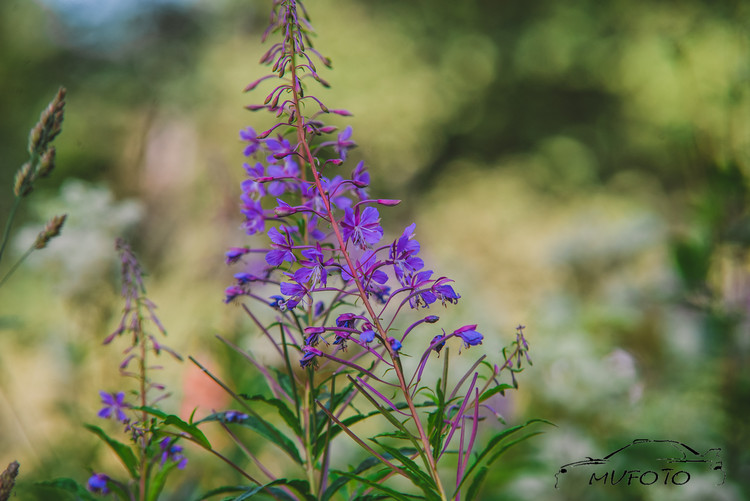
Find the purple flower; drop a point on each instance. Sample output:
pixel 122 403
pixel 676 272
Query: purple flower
pixel 232 292
pixel 235 253
pixel 255 221
pixel 297 292
pixel 395 343
pixel 280 147
pixel 362 228
pixel 309 357
pixel 114 405
pixel 245 278
pixel 282 245
pixel 248 134
pixel 361 179
pixel 343 143
pixel 367 336
pixel 170 452
pixel 98 483
pixel 234 416
pixel 445 292
pixel 314 268
pixel 347 321
pixel 403 253
pixel 420 296
pixel 439 346
pixel 469 336
pixel 314 334
pixel 252 187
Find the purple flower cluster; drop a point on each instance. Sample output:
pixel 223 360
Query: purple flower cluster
pixel 325 246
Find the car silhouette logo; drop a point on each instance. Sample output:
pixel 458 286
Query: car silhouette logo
pixel 646 462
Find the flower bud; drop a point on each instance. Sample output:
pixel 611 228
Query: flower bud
pixel 388 202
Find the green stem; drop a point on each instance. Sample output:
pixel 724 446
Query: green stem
pixel 8 224
pixel 16 265
pixel 365 300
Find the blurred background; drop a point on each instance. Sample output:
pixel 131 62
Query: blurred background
pixel 579 168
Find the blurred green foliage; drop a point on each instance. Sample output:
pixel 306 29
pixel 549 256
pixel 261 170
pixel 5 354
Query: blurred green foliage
pixel 581 168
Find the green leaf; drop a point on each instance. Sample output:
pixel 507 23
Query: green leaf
pixel 341 480
pixel 124 452
pixel 157 482
pixel 266 430
pixel 510 444
pixel 190 429
pixel 476 483
pixel 394 494
pixel 325 436
pixel 170 419
pixel 284 381
pixel 390 417
pixel 497 443
pixel 226 489
pixel 417 476
pixel 153 411
pixel 493 391
pixel 246 492
pixel 284 412
pixel 68 485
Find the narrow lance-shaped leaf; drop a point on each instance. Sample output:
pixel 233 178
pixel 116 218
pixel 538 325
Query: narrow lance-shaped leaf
pixel 124 452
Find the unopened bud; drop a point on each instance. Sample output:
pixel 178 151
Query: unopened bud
pixel 388 202
pixel 51 230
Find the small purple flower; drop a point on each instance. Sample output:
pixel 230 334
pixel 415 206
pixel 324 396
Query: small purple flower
pixel 170 452
pixel 309 357
pixel 253 187
pixel 439 346
pixel 249 135
pixel 297 292
pixel 421 296
pixel 445 293
pixel 255 220
pixel 404 252
pixel 361 179
pixel 234 416
pixel 114 405
pixel 469 336
pixel 362 228
pixel 314 268
pixel 314 335
pixel 232 292
pixel 235 253
pixel 319 308
pixel 280 147
pixel 98 483
pixel 282 245
pixel 367 336
pixel 343 143
pixel 395 343
pixel 245 278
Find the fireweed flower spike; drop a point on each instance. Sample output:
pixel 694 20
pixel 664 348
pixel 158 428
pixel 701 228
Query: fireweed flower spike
pixel 339 299
pixel 145 423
